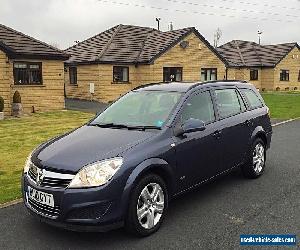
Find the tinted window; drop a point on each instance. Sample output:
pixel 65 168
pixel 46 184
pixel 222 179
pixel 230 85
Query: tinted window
pixel 228 102
pixel 200 107
pixel 252 98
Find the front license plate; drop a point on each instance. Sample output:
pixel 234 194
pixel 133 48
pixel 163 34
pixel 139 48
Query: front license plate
pixel 40 197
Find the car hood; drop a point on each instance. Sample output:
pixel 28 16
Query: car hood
pixel 86 145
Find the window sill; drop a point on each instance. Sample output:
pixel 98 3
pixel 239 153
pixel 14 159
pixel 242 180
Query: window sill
pixel 74 85
pixel 120 82
pixel 28 85
pixel 253 79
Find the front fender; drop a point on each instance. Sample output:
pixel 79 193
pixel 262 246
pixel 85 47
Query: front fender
pixel 142 168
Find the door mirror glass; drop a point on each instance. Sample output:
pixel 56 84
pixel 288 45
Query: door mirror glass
pixel 189 126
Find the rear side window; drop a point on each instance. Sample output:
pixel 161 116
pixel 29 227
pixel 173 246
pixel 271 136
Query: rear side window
pixel 252 98
pixel 228 102
pixel 199 106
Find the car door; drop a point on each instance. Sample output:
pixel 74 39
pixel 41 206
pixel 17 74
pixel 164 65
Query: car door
pixel 235 127
pixel 197 153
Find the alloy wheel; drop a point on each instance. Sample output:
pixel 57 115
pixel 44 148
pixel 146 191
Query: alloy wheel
pixel 258 158
pixel 150 205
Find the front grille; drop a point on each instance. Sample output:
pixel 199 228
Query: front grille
pixel 32 172
pixel 55 182
pixel 44 209
pixel 44 178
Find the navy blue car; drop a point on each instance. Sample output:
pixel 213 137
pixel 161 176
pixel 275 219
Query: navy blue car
pixel 157 141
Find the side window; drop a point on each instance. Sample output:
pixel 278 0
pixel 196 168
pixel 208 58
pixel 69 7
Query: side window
pixel 199 106
pixel 228 102
pixel 252 98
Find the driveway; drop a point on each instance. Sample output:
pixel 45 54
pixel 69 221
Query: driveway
pixel 211 217
pixel 84 105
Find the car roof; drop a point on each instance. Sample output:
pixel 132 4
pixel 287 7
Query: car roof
pixel 184 87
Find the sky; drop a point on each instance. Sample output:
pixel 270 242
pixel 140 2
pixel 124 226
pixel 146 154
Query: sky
pixel 62 22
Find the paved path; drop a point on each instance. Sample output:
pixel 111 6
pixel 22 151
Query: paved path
pixel 211 217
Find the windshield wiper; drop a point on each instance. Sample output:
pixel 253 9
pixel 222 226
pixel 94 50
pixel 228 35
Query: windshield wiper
pixel 113 125
pixel 108 125
pixel 144 127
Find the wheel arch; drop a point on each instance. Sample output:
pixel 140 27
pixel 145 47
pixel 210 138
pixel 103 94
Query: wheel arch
pixel 153 165
pixel 259 132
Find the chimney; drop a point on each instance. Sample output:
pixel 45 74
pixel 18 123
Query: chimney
pixel 171 26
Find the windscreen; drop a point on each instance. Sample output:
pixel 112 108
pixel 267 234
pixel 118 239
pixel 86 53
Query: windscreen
pixel 140 108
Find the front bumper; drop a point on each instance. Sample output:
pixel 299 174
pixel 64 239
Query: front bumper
pixel 90 209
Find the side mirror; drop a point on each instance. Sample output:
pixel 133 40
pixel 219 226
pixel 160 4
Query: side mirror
pixel 189 126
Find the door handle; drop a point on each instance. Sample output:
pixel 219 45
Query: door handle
pixel 217 134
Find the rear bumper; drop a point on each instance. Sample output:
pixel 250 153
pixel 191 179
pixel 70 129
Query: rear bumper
pixel 92 209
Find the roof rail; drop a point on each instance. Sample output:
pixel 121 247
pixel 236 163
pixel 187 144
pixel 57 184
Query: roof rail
pixel 202 83
pixel 147 85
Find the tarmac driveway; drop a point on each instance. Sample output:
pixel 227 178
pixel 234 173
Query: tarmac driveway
pixel 211 217
pixel 84 105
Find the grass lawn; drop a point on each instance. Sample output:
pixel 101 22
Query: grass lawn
pixel 19 136
pixel 283 105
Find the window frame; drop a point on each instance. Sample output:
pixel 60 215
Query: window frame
pixel 255 76
pixel 177 68
pixel 71 68
pixel 287 73
pixel 237 93
pixel 28 63
pixel 120 81
pixel 206 69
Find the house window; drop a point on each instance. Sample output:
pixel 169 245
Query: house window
pixel 120 74
pixel 172 74
pixel 299 76
pixel 253 74
pixel 208 74
pixel 27 73
pixel 284 75
pixel 73 75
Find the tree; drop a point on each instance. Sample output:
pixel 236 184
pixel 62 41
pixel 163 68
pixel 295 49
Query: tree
pixel 217 36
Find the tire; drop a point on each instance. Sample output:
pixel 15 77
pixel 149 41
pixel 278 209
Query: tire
pixel 150 197
pixel 255 164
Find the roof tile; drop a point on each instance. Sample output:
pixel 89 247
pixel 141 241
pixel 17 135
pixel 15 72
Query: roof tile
pixel 250 54
pixel 17 43
pixel 124 44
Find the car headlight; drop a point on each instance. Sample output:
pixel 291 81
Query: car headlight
pixel 96 174
pixel 27 163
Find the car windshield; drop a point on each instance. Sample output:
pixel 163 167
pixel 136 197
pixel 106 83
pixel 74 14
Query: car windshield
pixel 139 109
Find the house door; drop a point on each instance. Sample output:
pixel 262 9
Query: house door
pixel 172 74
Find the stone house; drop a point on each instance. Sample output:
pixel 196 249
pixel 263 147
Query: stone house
pixel 34 69
pixel 123 57
pixel 268 67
